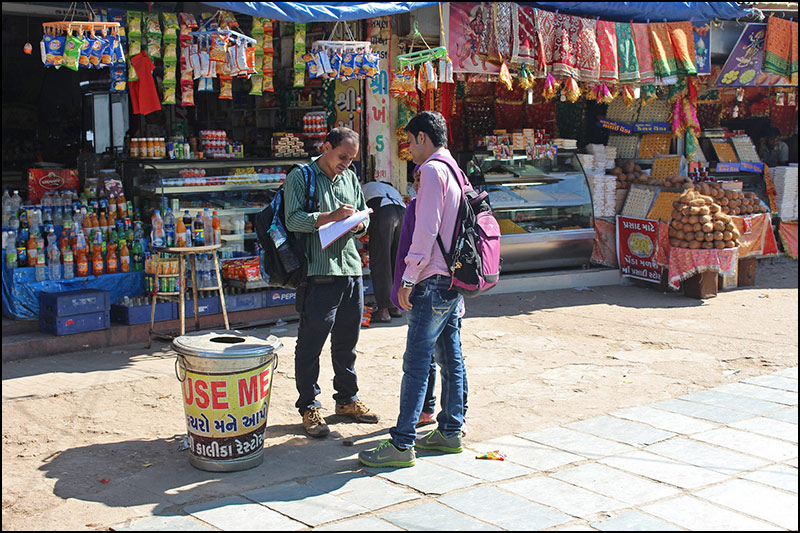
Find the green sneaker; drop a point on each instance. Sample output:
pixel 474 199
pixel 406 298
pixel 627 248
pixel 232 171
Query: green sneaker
pixel 434 440
pixel 386 454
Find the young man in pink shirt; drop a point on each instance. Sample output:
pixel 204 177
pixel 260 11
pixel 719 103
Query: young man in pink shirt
pixel 432 306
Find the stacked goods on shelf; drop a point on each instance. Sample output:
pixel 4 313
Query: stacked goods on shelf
pixel 662 207
pixel 629 173
pixel 745 149
pixel 289 146
pixel 725 152
pixel 732 202
pixel 566 144
pixel 603 156
pixel 666 166
pixel 638 202
pixel 604 194
pixel 785 180
pixel 697 222
pixel 678 182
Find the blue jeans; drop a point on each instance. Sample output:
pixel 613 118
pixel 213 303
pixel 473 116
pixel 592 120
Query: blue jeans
pixel 429 405
pixel 333 305
pixel 434 316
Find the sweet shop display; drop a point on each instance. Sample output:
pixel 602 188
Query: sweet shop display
pixel 698 222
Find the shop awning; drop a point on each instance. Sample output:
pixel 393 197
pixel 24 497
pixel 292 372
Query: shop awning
pixel 644 11
pixel 319 11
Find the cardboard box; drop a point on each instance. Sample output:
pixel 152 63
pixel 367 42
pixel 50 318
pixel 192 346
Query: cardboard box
pixel 41 180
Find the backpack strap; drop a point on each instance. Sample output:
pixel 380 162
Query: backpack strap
pixel 310 178
pixel 448 258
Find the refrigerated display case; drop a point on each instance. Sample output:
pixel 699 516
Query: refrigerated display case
pixel 544 207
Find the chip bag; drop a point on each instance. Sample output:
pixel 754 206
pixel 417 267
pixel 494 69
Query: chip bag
pixel 225 87
pixel 171 52
pixel 170 73
pixel 152 24
pixel 187 22
pixel 171 26
pixel 205 85
pixel 154 45
pixel 132 75
pixel 267 85
pixel 55 50
pixel 218 48
pixel 348 68
pixel 169 95
pixel 98 44
pixel 369 64
pixel 72 52
pixel 86 49
pixel 256 81
pixel 314 68
pixel 187 93
pixel 106 53
pixel 135 47
pixel 118 80
pixel 134 24
pixel 119 52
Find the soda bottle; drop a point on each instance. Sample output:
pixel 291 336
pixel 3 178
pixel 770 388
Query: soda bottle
pixel 31 247
pixel 67 258
pixel 216 228
pixel 54 257
pixel 124 257
pixel 111 257
pixel 81 262
pixel 41 268
pixel 102 224
pixel 23 225
pixel 187 222
pixel 180 233
pixel 97 262
pixel 169 228
pixel 157 237
pixel 138 256
pixel 197 234
pixel 22 251
pixel 66 235
pixel 208 230
pixel 122 206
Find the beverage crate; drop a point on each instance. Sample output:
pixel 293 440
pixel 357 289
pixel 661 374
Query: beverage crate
pixel 368 289
pixel 68 325
pixel 75 302
pixel 206 305
pixel 244 301
pixel 140 314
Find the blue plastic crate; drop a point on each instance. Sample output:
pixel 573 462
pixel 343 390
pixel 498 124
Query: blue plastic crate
pixel 78 302
pixel 68 325
pixel 244 301
pixel 140 314
pixel 280 297
pixel 368 286
pixel 206 305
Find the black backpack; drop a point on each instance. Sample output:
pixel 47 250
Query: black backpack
pixel 283 257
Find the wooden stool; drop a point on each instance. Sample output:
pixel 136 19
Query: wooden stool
pixel 178 296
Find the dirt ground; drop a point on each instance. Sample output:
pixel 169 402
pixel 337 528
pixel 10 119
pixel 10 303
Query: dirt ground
pixel 534 360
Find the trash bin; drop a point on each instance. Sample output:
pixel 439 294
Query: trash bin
pixel 226 379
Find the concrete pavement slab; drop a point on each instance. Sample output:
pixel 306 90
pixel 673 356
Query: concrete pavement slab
pixel 793 462
pixel 787 373
pixel 527 453
pixel 749 443
pixel 768 427
pixel 238 514
pixel 485 470
pixel 576 442
pixel 634 521
pixel 705 456
pixel 773 382
pixel 623 431
pixel 435 517
pixel 699 515
pixel 304 503
pixel 664 469
pixel 426 477
pixel 787 415
pixel 778 476
pixel 758 392
pixel 370 492
pixel 504 510
pixel 366 523
pixel 615 484
pixel 163 523
pixel 768 504
pixel 702 411
pixel 730 401
pixel 674 422
pixel 562 496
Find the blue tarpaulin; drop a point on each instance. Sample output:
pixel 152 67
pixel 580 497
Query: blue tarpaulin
pixel 616 11
pixel 319 11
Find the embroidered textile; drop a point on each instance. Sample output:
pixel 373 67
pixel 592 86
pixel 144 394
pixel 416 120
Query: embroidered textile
pixel 588 51
pixel 607 41
pixel 682 37
pixel 524 35
pixel 662 53
pixel 545 41
pixel 777 49
pixel 626 50
pixel 565 45
pixel 642 41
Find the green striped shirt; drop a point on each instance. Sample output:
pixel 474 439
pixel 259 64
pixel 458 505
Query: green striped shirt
pixel 341 257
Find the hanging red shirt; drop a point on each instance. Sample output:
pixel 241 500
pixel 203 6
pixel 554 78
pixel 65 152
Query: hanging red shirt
pixel 144 97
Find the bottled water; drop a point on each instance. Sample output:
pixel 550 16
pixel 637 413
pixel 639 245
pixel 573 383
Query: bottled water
pixel 52 240
pixel 47 200
pixel 69 263
pixel 41 268
pixel 11 250
pixel 207 267
pixel 169 228
pixel 58 215
pixel 6 207
pixel 16 202
pixel 36 219
pixel 54 257
pixel 13 223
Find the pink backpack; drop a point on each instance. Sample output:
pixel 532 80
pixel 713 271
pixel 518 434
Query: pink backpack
pixel 474 260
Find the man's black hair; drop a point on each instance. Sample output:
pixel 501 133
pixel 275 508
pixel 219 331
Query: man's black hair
pixel 431 123
pixel 773 132
pixel 337 135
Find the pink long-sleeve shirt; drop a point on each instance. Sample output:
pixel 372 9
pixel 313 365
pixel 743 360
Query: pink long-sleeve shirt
pixel 436 211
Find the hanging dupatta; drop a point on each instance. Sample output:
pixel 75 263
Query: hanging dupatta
pixel 545 41
pixel 778 47
pixel 682 37
pixel 524 33
pixel 641 40
pixel 663 56
pixel 565 46
pixel 607 41
pixel 626 50
pixel 588 51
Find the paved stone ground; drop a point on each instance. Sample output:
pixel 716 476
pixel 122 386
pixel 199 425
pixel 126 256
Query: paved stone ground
pixel 721 459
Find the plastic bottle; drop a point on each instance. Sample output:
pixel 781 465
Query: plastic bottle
pixel 102 224
pixel 36 219
pixel 122 206
pixel 41 268
pixel 187 222
pixel 16 202
pixel 51 237
pixel 111 257
pixel 58 215
pixel 22 251
pixel 23 225
pixel 31 248
pixel 13 223
pixel 11 250
pixel 205 277
pixel 97 261
pixel 208 230
pixel 180 233
pixel 47 200
pixel 124 257
pixel 197 233
pixel 215 224
pixel 137 259
pixel 54 262
pixel 81 263
pixel 7 209
pixel 68 260
pixel 169 228
pixel 157 237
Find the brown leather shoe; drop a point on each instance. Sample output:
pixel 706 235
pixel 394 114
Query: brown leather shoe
pixel 358 411
pixel 314 424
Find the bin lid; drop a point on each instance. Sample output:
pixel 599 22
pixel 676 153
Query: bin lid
pixel 225 344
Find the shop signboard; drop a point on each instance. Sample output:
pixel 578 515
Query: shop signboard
pixel 636 248
pixel 651 127
pixel 702 47
pixel 379 129
pixel 616 127
pixel 758 168
pixel 348 106
pixel 743 67
pixel 468 26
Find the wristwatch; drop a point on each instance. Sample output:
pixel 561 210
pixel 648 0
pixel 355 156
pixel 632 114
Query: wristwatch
pixel 406 284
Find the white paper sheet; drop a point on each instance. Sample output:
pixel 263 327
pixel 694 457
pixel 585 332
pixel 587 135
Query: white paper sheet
pixel 331 231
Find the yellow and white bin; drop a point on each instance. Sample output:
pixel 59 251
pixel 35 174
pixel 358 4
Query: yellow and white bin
pixel 226 378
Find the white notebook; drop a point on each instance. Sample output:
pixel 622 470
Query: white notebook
pixel 331 231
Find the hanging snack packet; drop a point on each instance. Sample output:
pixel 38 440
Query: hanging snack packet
pixel 187 93
pixel 267 85
pixel 118 16
pixel 336 65
pixel 208 22
pixel 98 44
pixel 154 45
pixel 369 66
pixel 170 73
pixel 205 85
pixel 348 65
pixel 250 56
pixel 240 59
pixel 187 22
pixel 55 50
pixel 171 26
pixel 256 81
pixel 218 48
pixel 358 64
pixel 171 52
pixel 227 20
pixel 225 88
pixel 132 75
pixel 169 95
pixel 258 64
pixel 152 24
pixel 134 24
pixel 135 47
pixel 72 52
pixel 86 49
pixel 119 52
pixel 118 80
pixel 314 68
pixel 106 53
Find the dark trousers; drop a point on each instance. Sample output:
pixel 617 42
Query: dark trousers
pixel 385 224
pixel 332 305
